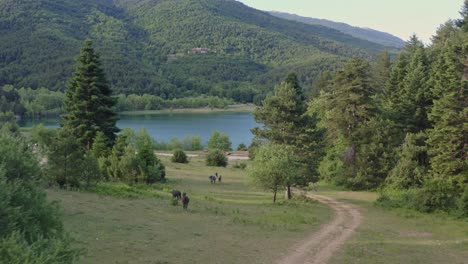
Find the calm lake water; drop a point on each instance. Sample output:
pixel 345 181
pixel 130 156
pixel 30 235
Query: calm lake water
pixel 179 125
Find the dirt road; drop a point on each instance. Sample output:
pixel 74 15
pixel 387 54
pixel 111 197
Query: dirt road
pixel 320 246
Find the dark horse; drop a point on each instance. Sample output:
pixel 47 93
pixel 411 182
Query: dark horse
pixel 176 194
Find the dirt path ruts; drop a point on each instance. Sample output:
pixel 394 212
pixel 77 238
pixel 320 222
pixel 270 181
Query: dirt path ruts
pixel 320 246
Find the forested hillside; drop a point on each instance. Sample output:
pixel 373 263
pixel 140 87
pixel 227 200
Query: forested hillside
pixel 362 33
pixel 146 46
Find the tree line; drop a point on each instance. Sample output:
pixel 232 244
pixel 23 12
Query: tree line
pixel 29 103
pixel 398 126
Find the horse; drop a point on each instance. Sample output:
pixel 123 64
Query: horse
pixel 176 194
pixel 212 179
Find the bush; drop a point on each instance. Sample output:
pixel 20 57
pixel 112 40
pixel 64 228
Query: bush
pixel 242 147
pixel 192 143
pixel 435 195
pixel 241 166
pixel 462 204
pixel 219 141
pixel 31 229
pixel 16 249
pixel 216 158
pixel 254 146
pixel 179 156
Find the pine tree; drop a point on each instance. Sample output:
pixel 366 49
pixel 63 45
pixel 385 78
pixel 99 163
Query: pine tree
pixel 151 168
pixel 413 163
pixel 65 160
pixel 99 148
pixel 448 139
pixel 381 71
pixel 286 122
pixel 89 103
pixel 415 96
pixel 281 113
pixel 350 102
pixel 347 110
pixel 406 97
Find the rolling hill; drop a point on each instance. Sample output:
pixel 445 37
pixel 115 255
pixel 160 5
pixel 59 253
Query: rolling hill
pixel 147 46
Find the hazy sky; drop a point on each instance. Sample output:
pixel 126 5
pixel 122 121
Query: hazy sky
pixel 401 18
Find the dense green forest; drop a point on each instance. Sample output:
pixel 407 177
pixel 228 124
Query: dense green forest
pixel 400 128
pixel 146 46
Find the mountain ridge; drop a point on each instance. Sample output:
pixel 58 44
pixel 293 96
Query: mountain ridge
pixel 373 35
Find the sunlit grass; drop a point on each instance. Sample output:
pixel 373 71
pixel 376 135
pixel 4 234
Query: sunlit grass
pixel 228 222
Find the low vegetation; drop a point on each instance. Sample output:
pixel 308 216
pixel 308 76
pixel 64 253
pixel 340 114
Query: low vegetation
pixel 216 158
pixel 31 229
pixel 179 156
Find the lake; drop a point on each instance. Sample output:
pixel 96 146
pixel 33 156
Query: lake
pixel 164 126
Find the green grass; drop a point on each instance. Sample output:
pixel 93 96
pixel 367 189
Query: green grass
pixel 241 108
pixel 231 222
pixel 234 222
pixel 400 235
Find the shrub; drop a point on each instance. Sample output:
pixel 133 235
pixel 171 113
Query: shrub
pixel 435 195
pixel 462 204
pixel 31 229
pixel 219 141
pixel 242 147
pixel 254 146
pixel 16 249
pixel 216 158
pixel 192 143
pixel 241 166
pixel 179 156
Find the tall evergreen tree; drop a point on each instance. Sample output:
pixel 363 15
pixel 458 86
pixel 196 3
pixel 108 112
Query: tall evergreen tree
pixel 350 102
pixel 416 97
pixel 413 163
pixel 406 97
pixel 89 100
pixel 347 111
pixel 286 122
pixel 381 70
pixel 281 113
pixel 448 139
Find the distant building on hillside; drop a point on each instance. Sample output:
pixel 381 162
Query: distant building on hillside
pixel 200 50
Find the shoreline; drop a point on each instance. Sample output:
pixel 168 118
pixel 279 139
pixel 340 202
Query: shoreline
pixel 244 108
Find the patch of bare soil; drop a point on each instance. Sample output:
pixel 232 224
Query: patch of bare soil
pixel 320 246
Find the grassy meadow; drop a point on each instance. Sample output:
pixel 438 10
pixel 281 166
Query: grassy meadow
pixel 234 222
pixel 231 222
pixel 400 235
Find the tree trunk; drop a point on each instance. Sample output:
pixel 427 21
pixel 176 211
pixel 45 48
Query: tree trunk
pixel 274 196
pixel 289 192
